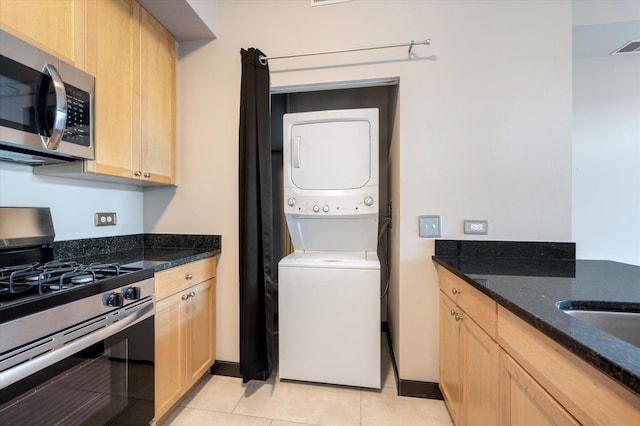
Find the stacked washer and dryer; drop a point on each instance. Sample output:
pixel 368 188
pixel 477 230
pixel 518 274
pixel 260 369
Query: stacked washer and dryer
pixel 329 287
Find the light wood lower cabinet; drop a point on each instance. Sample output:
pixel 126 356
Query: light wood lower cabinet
pixel 468 367
pixel 587 394
pixel 524 401
pixel 184 330
pixel 497 369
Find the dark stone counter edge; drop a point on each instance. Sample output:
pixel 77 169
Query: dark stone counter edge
pixel 188 259
pixel 588 354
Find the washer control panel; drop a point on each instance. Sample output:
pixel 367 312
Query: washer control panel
pixel 336 205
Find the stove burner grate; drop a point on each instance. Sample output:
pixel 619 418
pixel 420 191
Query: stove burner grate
pixel 53 276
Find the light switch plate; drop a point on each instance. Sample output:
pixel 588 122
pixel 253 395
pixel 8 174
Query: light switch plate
pixel 429 226
pixel 477 227
pixel 105 219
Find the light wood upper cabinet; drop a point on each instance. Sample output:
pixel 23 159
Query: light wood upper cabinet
pixel 55 26
pixel 133 59
pixel 158 101
pixel 113 38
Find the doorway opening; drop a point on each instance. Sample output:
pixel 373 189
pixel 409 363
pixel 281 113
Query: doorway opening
pixel 381 94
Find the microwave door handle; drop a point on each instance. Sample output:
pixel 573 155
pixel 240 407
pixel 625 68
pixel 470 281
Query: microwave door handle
pixel 60 120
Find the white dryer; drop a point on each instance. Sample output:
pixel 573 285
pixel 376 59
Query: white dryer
pixel 329 288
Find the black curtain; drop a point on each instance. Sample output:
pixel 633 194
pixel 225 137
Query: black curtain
pixel 255 220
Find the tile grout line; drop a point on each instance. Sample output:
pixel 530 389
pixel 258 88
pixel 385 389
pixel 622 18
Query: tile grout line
pixel 360 392
pixel 240 399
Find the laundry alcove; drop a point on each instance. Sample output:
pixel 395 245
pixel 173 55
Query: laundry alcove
pixel 380 94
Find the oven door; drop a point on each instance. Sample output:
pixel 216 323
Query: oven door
pixel 110 382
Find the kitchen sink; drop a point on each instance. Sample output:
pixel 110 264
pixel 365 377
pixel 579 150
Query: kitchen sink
pixel 619 319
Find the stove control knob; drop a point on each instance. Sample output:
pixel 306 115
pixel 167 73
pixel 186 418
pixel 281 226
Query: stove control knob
pixel 368 201
pixel 316 208
pixel 325 208
pixel 291 202
pixel 115 300
pixel 132 293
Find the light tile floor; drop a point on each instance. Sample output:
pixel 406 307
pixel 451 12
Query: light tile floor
pixel 220 400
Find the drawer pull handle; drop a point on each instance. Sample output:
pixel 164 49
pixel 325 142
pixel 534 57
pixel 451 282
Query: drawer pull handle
pixel 189 276
pixel 455 291
pixel 185 296
pixel 458 317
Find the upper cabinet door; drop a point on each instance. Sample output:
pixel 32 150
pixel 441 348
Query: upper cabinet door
pixel 158 100
pixel 112 40
pixel 56 26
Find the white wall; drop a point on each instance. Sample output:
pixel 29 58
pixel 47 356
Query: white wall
pixel 484 131
pixel 73 202
pixel 606 132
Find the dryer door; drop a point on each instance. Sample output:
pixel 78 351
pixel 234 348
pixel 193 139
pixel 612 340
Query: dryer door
pixel 331 155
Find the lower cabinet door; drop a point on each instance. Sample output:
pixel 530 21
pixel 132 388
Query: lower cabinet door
pixel 480 375
pixel 450 357
pixel 200 332
pixel 169 348
pixel 524 402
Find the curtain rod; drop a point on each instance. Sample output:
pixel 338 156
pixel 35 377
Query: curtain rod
pixel 263 59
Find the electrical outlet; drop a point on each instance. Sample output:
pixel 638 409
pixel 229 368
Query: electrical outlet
pixel 429 226
pixel 105 219
pixel 478 227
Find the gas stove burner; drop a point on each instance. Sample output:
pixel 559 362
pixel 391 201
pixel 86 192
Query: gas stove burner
pixel 5 270
pixel 33 278
pixel 56 264
pixel 83 279
pixel 54 276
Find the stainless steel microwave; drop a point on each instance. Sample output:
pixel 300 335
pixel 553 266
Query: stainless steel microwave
pixel 46 106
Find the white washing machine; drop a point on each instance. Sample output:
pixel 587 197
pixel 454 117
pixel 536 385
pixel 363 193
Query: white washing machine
pixel 329 288
pixel 329 331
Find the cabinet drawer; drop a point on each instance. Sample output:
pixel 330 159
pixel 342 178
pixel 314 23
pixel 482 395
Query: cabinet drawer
pixel 477 305
pixel 176 279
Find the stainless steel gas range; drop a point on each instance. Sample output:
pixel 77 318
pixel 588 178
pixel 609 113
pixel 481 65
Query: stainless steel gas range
pixel 76 340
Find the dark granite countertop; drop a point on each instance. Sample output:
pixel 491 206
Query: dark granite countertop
pixel 531 287
pixel 153 251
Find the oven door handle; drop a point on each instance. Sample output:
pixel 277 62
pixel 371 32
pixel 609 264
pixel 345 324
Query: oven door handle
pixel 21 371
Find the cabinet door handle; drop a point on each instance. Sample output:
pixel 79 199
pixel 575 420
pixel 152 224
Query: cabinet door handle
pixel 189 277
pixel 192 294
pixel 185 296
pixel 458 317
pixel 455 291
pixel 452 312
pixel 147 175
pixel 138 173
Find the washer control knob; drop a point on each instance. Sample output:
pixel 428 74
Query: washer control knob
pixel 368 201
pixel 325 208
pixel 291 202
pixel 316 208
